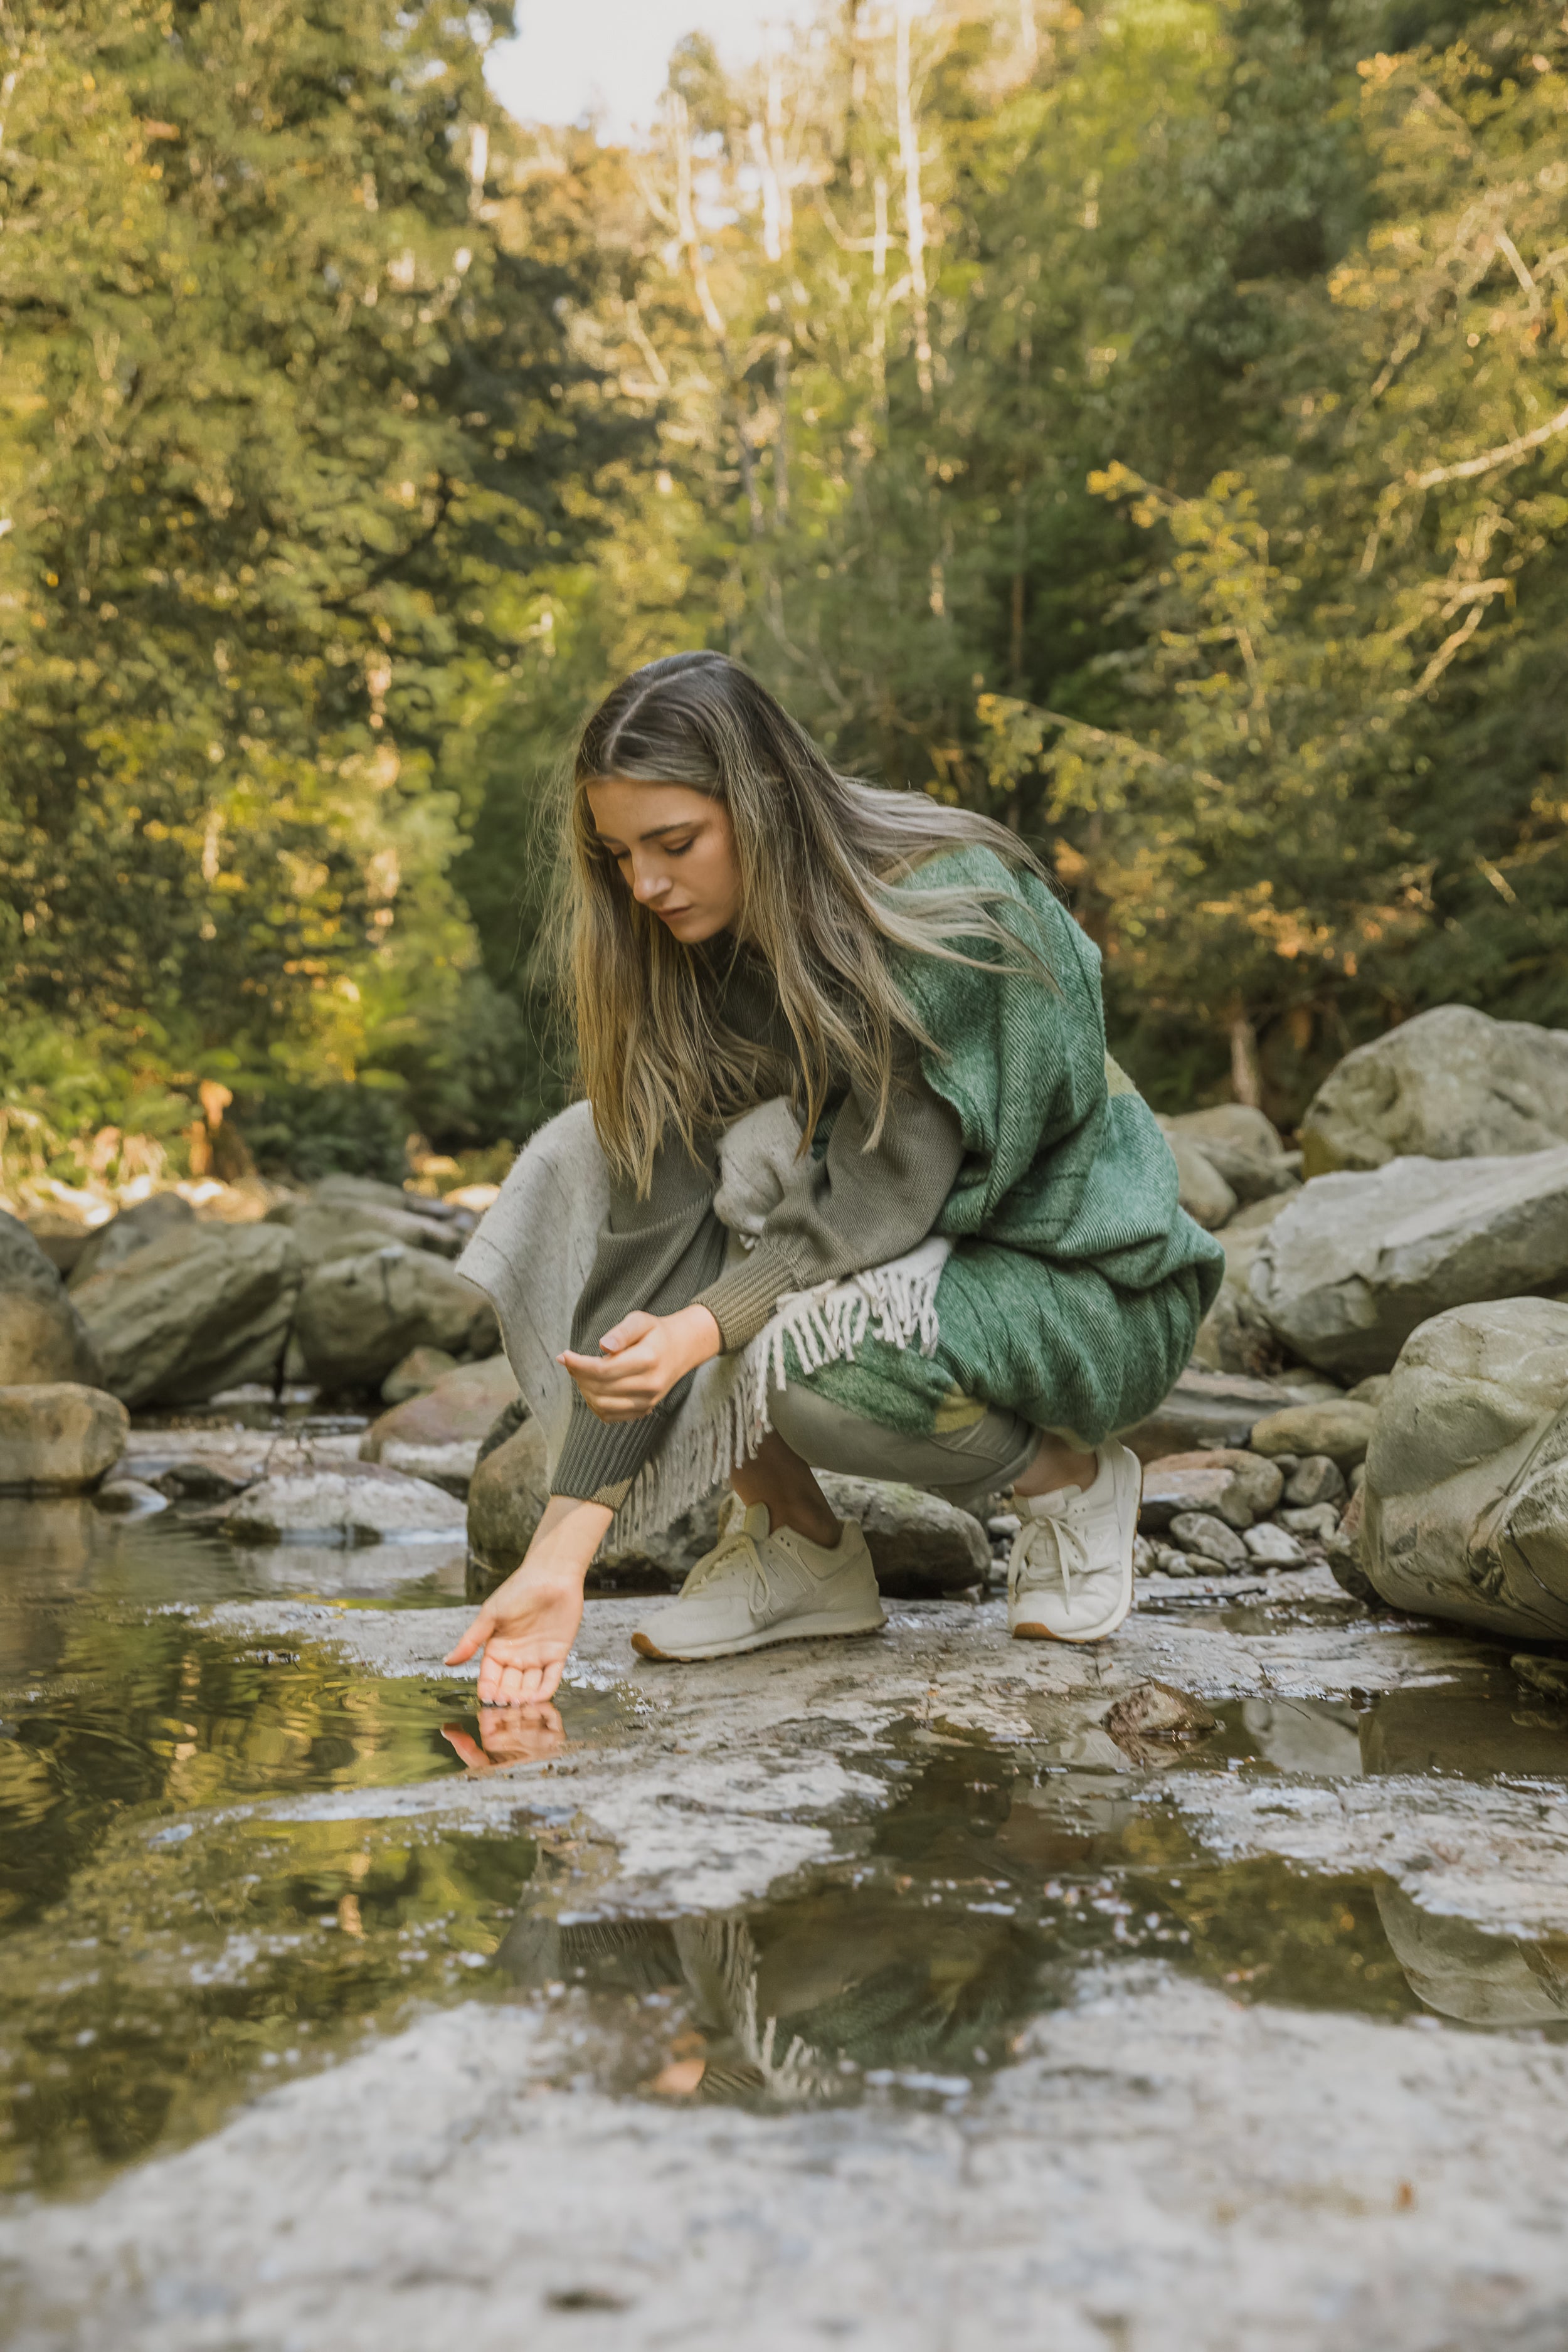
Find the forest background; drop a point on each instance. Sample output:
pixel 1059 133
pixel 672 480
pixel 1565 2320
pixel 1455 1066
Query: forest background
pixel 1145 422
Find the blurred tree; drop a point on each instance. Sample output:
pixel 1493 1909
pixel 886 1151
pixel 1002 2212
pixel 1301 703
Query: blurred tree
pixel 292 417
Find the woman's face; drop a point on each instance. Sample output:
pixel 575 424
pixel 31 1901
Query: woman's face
pixel 676 853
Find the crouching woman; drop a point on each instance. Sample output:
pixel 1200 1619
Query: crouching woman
pixel 871 1195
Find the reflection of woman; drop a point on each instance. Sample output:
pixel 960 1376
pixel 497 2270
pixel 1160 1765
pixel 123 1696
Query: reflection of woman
pixel 786 1995
pixel 982 1210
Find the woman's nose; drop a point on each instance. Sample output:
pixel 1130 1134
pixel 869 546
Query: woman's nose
pixel 649 884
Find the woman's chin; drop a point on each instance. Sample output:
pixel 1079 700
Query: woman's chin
pixel 691 927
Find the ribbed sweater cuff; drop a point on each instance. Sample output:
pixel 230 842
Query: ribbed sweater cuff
pixel 600 1457
pixel 745 1295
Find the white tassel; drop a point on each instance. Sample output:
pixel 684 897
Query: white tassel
pixel 896 1302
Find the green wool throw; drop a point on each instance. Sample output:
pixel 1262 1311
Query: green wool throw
pixel 1076 1283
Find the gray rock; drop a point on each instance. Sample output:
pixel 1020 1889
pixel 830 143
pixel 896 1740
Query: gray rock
pixel 42 1337
pixel 670 1552
pixel 358 1316
pixel 408 1216
pixel 323 1230
pixel 344 1503
pixel 1317 1479
pixel 1204 1408
pixel 1243 1148
pixel 136 1228
pixel 1273 1546
pixel 1166 1560
pixel 459 1407
pixel 1451 1085
pixel 195 1481
pixel 1199 1533
pixel 1318 1521
pixel 198 1312
pixel 1369 1391
pixel 1234 1336
pixel 1154 1721
pixel 1234 1486
pixel 919 1545
pixel 1356 1263
pixel 1466 1498
pixel 1200 1188
pixel 129 1498
pixel 1337 1430
pixel 417 1374
pixel 507 1497
pixel 58 1436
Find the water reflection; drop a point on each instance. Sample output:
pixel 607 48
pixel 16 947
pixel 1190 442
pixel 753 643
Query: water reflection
pixel 1478 1979
pixel 507 1734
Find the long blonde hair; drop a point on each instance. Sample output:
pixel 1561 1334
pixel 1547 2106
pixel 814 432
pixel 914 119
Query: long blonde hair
pixel 818 854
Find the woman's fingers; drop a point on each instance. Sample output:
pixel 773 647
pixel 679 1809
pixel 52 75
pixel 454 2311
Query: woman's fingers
pixel 479 1632
pixel 632 1326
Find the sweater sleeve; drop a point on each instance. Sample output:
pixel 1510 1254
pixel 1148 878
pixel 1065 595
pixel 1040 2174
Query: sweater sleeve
pixel 655 1253
pixel 851 1209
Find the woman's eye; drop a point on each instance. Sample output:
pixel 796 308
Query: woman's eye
pixel 680 848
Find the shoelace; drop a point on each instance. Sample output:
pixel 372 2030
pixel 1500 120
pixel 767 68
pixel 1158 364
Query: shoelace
pixel 736 1546
pixel 1068 1537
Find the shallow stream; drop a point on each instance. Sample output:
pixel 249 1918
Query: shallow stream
pixel 177 1929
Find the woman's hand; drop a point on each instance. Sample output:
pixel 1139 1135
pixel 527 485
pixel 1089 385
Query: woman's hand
pixel 643 1356
pixel 528 1624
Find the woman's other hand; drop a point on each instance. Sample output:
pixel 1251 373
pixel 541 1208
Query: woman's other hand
pixel 528 1626
pixel 643 1356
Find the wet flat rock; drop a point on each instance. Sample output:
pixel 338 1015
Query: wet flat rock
pixel 1129 2174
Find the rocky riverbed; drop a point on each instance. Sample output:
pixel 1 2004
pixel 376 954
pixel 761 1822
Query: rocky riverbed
pixel 1208 1988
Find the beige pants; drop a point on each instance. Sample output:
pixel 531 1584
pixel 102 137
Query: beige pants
pixel 985 1449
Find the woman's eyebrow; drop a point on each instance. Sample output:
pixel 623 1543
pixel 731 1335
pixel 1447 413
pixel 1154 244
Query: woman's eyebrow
pixel 656 832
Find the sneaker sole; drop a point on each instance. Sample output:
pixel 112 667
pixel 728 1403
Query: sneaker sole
pixel 1107 1625
pixel 805 1629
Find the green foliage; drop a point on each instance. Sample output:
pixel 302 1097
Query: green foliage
pixel 1145 423
pixel 290 421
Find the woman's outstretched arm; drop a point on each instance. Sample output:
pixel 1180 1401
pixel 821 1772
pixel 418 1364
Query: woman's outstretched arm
pixel 528 1626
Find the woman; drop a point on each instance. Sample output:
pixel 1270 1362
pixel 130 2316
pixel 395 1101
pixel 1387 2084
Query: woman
pixel 968 1170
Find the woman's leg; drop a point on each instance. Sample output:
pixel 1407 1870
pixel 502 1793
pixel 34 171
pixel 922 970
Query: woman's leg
pixel 983 1451
pixel 775 1475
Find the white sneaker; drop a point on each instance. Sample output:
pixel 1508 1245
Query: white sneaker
pixel 1070 1575
pixel 756 1586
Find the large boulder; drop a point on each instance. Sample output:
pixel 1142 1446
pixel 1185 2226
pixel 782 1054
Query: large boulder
pixel 358 1316
pixel 1451 1085
pixel 408 1216
pixel 134 1229
pixel 1200 1188
pixel 1357 1262
pixel 1204 1408
pixel 437 1434
pixel 205 1308
pixel 1245 1150
pixel 919 1545
pixel 324 1230
pixel 42 1337
pixel 507 1497
pixel 57 1436
pixel 342 1503
pixel 1234 1336
pixel 1466 1501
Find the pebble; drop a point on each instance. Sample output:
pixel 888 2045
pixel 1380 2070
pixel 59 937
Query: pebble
pixel 1317 1478
pixel 1199 1532
pixel 1273 1546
